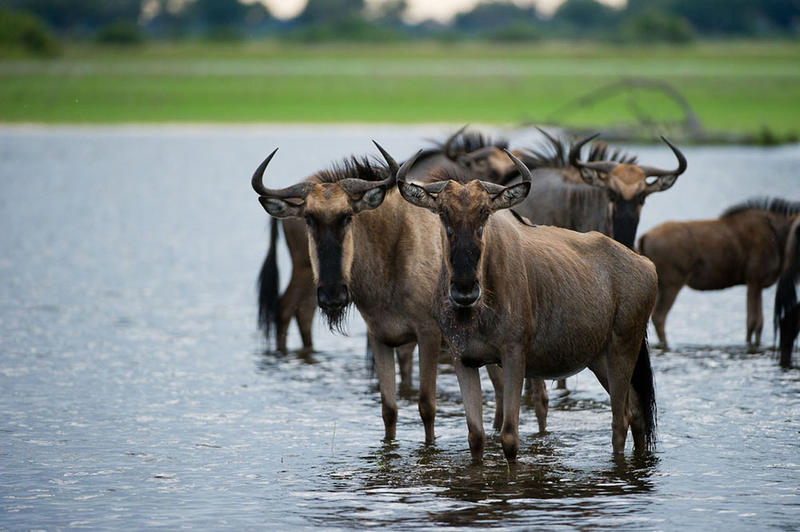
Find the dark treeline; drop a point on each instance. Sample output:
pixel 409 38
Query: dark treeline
pixel 132 21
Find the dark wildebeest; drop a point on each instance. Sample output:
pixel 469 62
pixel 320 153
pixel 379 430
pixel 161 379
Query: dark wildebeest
pixel 787 309
pixel 746 245
pixel 541 301
pixel 384 260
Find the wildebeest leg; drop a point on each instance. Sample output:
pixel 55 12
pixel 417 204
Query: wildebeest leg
pixel 667 292
pixel 470 384
pixel 384 366
pixel 561 384
pixel 429 347
pixel 405 360
pixel 496 376
pixel 541 402
pixel 299 292
pixel 614 373
pixel 513 377
pixel 755 315
pixel 305 318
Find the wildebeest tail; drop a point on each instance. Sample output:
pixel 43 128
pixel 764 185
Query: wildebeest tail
pixel 787 309
pixel 644 385
pixel 269 315
pixel 640 246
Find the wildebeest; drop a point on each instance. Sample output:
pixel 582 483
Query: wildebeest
pixel 604 193
pixel 384 260
pixel 746 245
pixel 787 308
pixel 541 301
pixel 275 311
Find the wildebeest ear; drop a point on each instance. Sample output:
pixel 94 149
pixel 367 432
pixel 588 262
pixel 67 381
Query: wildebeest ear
pixel 416 195
pixel 371 199
pixel 511 196
pixel 281 208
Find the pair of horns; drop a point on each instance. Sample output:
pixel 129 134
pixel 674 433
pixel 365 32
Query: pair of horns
pixel 352 186
pixel 607 166
pixel 491 188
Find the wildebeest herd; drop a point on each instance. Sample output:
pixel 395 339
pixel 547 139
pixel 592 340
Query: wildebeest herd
pixel 518 260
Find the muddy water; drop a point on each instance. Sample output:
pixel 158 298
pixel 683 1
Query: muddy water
pixel 137 393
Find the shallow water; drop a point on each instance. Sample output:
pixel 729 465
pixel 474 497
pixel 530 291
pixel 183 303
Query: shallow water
pixel 136 391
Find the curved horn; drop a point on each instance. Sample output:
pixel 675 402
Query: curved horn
pixel 524 171
pixel 657 172
pixel 300 190
pixel 575 152
pixel 449 143
pixel 393 166
pixel 403 171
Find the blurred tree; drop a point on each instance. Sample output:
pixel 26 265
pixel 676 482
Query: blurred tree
pixel 25 31
pixel 331 11
pixel 495 16
pixel 587 15
pixel 80 17
pixel 654 25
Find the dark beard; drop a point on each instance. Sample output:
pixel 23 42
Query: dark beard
pixel 336 318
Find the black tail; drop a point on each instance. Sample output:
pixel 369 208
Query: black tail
pixel 644 385
pixel 269 315
pixel 787 310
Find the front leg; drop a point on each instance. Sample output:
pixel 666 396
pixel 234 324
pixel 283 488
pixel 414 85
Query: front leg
pixel 496 376
pixel 513 378
pixel 384 366
pixel 469 382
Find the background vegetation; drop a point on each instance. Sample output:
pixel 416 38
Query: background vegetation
pixel 735 63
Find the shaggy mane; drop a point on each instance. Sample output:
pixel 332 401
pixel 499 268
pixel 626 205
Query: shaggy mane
pixel 470 141
pixel 354 168
pixel 774 205
pixel 449 174
pixel 554 153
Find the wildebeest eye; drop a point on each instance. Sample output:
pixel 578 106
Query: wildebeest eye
pixel 613 196
pixel 345 219
pixel 448 230
pixel 480 231
pixel 309 221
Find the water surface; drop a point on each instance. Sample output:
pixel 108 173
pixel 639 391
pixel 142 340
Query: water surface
pixel 136 391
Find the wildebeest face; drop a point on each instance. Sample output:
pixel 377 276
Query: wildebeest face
pixel 627 186
pixel 489 163
pixel 464 211
pixel 328 209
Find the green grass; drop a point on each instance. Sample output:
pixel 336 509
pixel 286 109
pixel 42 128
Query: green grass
pixel 732 86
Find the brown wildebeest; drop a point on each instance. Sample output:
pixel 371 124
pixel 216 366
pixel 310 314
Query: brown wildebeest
pixel 787 309
pixel 541 301
pixel 605 193
pixel 384 260
pixel 299 300
pixel 745 245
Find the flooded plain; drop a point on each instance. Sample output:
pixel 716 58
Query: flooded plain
pixel 137 392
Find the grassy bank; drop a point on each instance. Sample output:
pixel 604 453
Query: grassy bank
pixel 731 86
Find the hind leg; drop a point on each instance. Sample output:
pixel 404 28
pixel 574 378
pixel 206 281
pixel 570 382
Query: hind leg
pixel 614 371
pixel 405 360
pixel 541 402
pixel 305 318
pixel 495 373
pixel 667 292
pixel 755 316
